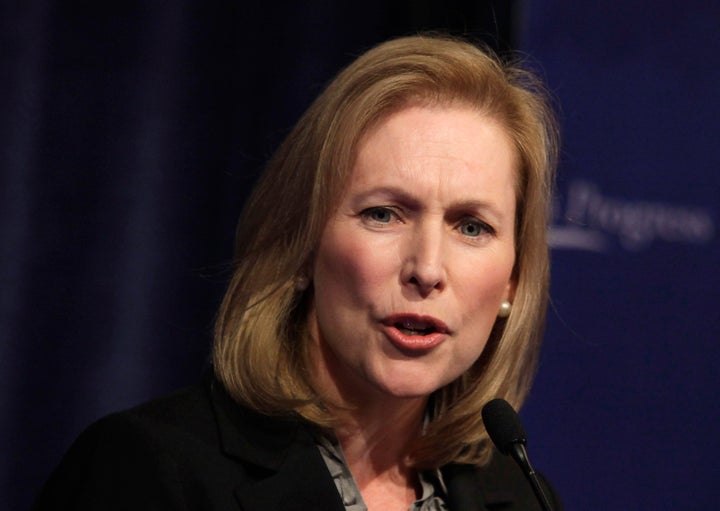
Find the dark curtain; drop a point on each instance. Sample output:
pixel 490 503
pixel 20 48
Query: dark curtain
pixel 131 133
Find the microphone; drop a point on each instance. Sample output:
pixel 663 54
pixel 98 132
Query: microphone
pixel 507 433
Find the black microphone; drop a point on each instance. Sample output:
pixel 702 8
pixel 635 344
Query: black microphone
pixel 507 433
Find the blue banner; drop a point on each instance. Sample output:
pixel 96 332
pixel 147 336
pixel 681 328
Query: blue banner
pixel 624 412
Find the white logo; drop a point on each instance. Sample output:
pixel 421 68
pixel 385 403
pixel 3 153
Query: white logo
pixel 591 220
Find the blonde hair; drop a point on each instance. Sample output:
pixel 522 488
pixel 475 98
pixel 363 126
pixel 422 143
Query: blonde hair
pixel 261 351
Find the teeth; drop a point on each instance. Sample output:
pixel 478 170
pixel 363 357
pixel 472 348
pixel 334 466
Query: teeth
pixel 412 325
pixel 415 330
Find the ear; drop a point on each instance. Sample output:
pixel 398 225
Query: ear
pixel 510 289
pixel 308 267
pixel 511 286
pixel 306 270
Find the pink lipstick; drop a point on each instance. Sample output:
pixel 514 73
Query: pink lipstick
pixel 414 333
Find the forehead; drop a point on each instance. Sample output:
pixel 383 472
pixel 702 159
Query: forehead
pixel 454 136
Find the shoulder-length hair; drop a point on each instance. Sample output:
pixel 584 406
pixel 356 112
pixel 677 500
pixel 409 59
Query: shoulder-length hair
pixel 261 350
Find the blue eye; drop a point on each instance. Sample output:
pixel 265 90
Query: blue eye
pixel 379 214
pixel 474 228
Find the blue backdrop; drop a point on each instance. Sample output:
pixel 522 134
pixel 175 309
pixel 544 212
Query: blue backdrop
pixel 625 410
pixel 131 132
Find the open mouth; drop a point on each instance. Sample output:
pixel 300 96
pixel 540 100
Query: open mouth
pixel 412 325
pixel 409 329
pixel 415 334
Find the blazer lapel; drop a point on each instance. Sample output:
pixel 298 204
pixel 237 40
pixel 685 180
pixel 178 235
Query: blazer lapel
pixel 301 482
pixel 285 468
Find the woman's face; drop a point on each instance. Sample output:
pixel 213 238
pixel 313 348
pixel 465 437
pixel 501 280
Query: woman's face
pixel 412 268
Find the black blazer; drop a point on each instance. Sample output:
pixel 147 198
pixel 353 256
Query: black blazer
pixel 199 450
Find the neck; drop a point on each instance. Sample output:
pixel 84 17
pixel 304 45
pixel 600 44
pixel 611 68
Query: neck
pixel 382 431
pixel 376 435
pixel 376 445
pixel 374 428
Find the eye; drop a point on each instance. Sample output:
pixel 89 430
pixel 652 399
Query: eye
pixel 379 214
pixel 473 227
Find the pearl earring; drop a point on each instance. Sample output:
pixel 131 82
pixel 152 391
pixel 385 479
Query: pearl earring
pixel 505 309
pixel 302 283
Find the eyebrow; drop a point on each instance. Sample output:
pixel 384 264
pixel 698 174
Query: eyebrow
pixel 413 202
pixel 394 192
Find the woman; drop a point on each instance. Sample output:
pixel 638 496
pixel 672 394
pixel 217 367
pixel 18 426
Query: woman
pixel 391 278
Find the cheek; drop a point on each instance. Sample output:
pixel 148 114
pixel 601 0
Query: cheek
pixel 348 269
pixel 479 300
pixel 485 286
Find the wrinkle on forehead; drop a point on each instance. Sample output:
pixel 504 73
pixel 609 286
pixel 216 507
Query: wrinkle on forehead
pixel 433 141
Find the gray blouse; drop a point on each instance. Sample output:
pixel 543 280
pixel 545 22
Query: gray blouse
pixel 432 485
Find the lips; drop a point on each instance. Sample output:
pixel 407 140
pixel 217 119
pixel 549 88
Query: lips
pixel 414 333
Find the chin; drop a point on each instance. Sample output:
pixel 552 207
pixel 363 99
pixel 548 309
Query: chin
pixel 411 387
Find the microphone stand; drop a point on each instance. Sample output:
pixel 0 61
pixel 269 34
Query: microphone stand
pixel 519 454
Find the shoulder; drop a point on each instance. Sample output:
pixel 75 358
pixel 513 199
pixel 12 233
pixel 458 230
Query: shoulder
pixel 154 429
pixel 151 455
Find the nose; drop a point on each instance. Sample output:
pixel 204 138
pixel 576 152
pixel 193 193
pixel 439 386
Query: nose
pixel 423 266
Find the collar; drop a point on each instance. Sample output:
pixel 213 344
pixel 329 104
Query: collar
pixel 294 471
